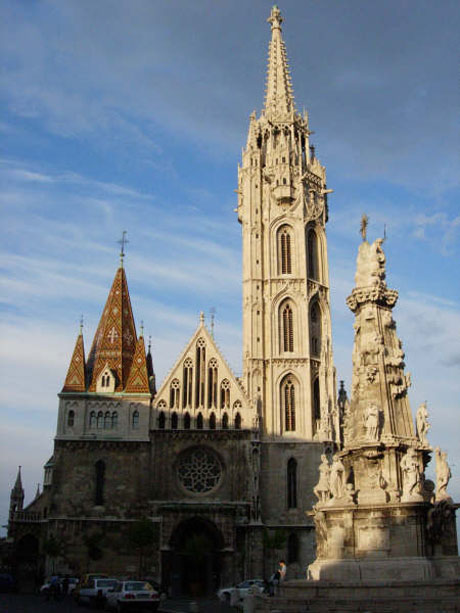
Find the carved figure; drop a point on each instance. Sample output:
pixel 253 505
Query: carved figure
pixel 337 478
pixel 322 489
pixel 411 476
pixel 321 534
pixel 443 474
pixel 349 493
pixel 422 424
pixel 372 422
pixel 370 269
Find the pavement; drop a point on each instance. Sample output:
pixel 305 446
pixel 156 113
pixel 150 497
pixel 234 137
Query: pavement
pixel 200 605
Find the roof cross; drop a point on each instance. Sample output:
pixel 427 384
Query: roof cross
pixel 122 243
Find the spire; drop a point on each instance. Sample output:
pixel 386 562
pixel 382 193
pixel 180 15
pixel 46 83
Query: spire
pixel 18 483
pixel 138 380
pixel 75 380
pixel 279 99
pixel 37 493
pixel 115 340
pixel 150 371
pixel 17 495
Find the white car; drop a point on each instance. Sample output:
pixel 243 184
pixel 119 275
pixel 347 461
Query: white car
pixel 228 594
pixel 95 591
pixel 133 595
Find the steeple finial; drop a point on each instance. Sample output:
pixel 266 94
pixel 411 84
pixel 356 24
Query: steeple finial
pixel 142 328
pixel 275 18
pixel 212 310
pixel 364 224
pixel 150 343
pixel 201 318
pixel 18 484
pixel 122 243
pixel 81 325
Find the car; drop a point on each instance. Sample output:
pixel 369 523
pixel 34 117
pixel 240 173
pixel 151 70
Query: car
pixel 94 592
pixel 227 594
pixel 83 582
pixel 72 583
pixel 133 595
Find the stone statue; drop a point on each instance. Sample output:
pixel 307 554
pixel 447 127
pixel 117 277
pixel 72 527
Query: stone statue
pixel 370 266
pixel 443 474
pixel 422 424
pixel 322 489
pixel 372 422
pixel 411 476
pixel 337 478
pixel 320 534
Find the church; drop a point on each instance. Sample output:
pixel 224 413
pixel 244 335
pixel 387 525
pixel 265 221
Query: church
pixel 223 468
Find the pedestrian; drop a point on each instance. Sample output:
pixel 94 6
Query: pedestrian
pixel 282 568
pixel 274 580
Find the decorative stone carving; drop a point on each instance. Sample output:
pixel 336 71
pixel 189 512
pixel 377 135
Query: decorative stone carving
pixel 370 264
pixel 337 478
pixel 422 424
pixel 322 490
pixel 443 474
pixel 372 422
pixel 412 476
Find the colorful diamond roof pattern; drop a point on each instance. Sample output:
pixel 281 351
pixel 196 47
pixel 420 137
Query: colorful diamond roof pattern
pixel 138 380
pixel 75 380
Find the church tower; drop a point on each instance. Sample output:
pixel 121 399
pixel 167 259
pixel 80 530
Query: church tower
pixel 282 206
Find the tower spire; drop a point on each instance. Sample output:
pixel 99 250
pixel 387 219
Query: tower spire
pixel 279 99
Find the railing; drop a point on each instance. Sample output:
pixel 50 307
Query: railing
pixel 27 516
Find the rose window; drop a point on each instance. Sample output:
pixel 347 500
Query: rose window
pixel 199 471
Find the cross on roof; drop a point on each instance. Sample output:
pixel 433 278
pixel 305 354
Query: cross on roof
pixel 122 243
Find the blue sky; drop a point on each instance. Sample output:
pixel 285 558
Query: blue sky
pixel 131 115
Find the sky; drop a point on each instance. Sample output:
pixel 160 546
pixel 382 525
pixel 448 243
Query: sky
pixel 131 115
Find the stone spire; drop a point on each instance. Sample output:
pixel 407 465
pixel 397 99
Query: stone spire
pixel 75 380
pixel 279 99
pixel 115 341
pixel 150 371
pixel 16 496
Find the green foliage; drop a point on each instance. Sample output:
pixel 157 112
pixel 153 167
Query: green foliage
pixel 94 544
pixel 142 534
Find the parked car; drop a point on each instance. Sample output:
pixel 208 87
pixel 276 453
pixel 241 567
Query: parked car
pixel 94 592
pixel 72 583
pixel 84 580
pixel 133 596
pixel 225 593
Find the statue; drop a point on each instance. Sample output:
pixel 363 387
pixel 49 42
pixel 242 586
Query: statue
pixel 337 478
pixel 411 476
pixel 443 474
pixel 422 424
pixel 372 422
pixel 322 489
pixel 370 266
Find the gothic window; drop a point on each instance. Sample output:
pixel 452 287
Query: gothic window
pixel 114 420
pixel 100 420
pixel 237 421
pixel 107 420
pixel 199 422
pixel 161 420
pixel 225 421
pixel 312 255
pixel 174 421
pixel 212 421
pixel 212 384
pixel 200 372
pixel 100 479
pixel 316 406
pixel 135 420
pixel 292 484
pixel 237 405
pixel 188 382
pixel 293 548
pixel 92 419
pixel 284 249
pixel 315 329
pixel 225 394
pixel 199 470
pixel 286 327
pixel 187 421
pixel 174 394
pixel 288 402
pixel 70 418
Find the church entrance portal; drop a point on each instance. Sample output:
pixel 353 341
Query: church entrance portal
pixel 193 565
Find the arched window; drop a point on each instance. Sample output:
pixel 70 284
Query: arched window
pixel 212 421
pixel 107 420
pixel 316 406
pixel 174 421
pixel 315 329
pixel 288 403
pixel 293 548
pixel 287 328
pixel 292 484
pixel 135 420
pixel 225 394
pixel 284 250
pixel 212 384
pixel 200 372
pixel 225 421
pixel 70 418
pixel 174 394
pixel 114 420
pixel 187 421
pixel 237 421
pixel 92 419
pixel 199 422
pixel 99 482
pixel 161 420
pixel 312 257
pixel 100 420
pixel 188 383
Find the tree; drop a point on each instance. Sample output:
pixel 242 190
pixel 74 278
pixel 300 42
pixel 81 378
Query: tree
pixel 53 549
pixel 274 541
pixel 142 535
pixel 94 543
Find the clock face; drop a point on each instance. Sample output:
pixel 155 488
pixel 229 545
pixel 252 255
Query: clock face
pixel 199 470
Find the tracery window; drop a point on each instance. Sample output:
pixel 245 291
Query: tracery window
pixel 107 420
pixel 287 327
pixel 100 420
pixel 114 420
pixel 292 484
pixel 312 255
pixel 99 482
pixel 187 421
pixel 174 394
pixel 174 421
pixel 212 383
pixel 200 372
pixel 288 402
pixel 212 421
pixel 225 421
pixel 92 419
pixel 199 470
pixel 315 329
pixel 237 421
pixel 316 406
pixel 284 250
pixel 188 383
pixel 225 394
pixel 199 422
pixel 135 420
pixel 70 418
pixel 161 420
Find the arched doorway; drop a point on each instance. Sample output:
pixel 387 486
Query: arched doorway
pixel 193 565
pixel 26 562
